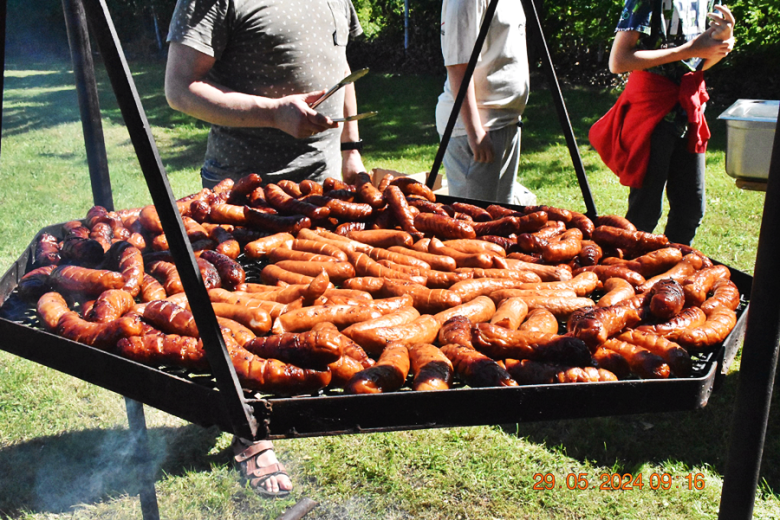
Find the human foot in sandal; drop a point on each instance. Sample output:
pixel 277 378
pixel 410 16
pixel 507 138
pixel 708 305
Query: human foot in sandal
pixel 259 465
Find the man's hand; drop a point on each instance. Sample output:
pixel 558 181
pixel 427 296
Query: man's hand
pixel 482 146
pixel 294 116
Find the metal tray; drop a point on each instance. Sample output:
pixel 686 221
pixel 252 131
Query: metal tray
pixel 195 397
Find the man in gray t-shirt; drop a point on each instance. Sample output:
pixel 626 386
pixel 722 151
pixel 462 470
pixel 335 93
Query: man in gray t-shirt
pixel 251 68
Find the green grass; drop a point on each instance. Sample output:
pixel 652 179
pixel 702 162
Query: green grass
pixel 65 451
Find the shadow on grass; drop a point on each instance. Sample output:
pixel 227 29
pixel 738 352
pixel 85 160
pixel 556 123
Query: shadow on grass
pixel 625 443
pixel 55 474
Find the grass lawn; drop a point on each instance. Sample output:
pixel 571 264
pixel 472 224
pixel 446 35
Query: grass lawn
pixel 64 443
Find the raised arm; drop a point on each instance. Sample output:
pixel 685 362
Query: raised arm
pixel 712 46
pixel 188 90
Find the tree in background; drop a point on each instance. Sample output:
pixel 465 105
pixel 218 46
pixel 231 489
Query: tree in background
pixel 579 35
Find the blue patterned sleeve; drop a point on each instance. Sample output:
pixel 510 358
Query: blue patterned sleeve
pixel 636 16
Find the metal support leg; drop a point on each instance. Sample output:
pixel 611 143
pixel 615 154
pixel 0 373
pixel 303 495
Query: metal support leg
pixel 759 362
pixel 148 495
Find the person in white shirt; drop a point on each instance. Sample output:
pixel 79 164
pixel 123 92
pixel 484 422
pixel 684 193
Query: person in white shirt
pixel 483 153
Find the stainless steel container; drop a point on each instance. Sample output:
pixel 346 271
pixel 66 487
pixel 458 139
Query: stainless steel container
pixel 750 130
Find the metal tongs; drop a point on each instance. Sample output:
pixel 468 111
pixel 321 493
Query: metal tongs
pixel 346 81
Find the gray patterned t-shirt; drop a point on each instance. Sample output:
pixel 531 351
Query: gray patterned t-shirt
pixel 271 48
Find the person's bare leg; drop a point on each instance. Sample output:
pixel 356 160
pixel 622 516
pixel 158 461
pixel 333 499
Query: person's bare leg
pixel 260 466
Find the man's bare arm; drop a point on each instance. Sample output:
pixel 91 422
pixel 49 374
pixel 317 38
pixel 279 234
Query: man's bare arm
pixel 188 90
pixel 479 139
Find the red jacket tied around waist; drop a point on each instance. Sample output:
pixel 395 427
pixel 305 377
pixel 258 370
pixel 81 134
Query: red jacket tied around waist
pixel 622 136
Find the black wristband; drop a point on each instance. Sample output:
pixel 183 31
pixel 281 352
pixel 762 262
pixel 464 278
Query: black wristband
pixel 352 145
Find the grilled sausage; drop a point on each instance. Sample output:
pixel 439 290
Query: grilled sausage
pixel 476 369
pixel 387 375
pixel 431 368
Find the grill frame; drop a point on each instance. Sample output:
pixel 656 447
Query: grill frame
pixel 196 398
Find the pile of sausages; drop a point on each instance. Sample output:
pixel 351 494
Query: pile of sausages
pixel 375 288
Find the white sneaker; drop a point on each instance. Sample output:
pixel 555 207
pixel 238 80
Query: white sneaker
pixel 523 196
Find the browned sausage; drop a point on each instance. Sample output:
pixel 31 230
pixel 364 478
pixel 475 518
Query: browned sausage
pixel 467 290
pixel 527 372
pixel 365 266
pixel 675 356
pixel 75 279
pixel 690 317
pixel 725 293
pixel 51 307
pixel 600 323
pixel 476 369
pixel 311 349
pixel 370 284
pixel 305 318
pixel 318 247
pixel 263 246
pixel 170 318
pixel 679 272
pixel 643 363
pixel 434 261
pixel 482 260
pixel 273 274
pixel 368 192
pixel 400 209
pixel 287 205
pixel 616 290
pixel 510 313
pixel 274 223
pixel 422 330
pixel 47 250
pixel 413 187
pixel 382 237
pixel 720 322
pixel 457 330
pixel 427 301
pixel 431 368
pixel 608 236
pixel 478 310
pixel 110 305
pixel 501 343
pixel 698 285
pixel 666 299
pixel 540 320
pixel 337 271
pixel 99 335
pixel 612 361
pixel 164 349
pixel 475 212
pixel 614 221
pixel 605 272
pixel 257 320
pixel 271 375
pixel 548 273
pixel 230 272
pixel 387 375
pixel 444 227
pixel 222 213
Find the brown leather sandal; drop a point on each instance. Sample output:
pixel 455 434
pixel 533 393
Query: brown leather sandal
pixel 246 460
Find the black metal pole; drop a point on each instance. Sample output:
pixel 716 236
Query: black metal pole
pixel 3 12
pixel 89 105
pixel 759 362
pixel 563 115
pixel 464 85
pixel 137 423
pixel 242 419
